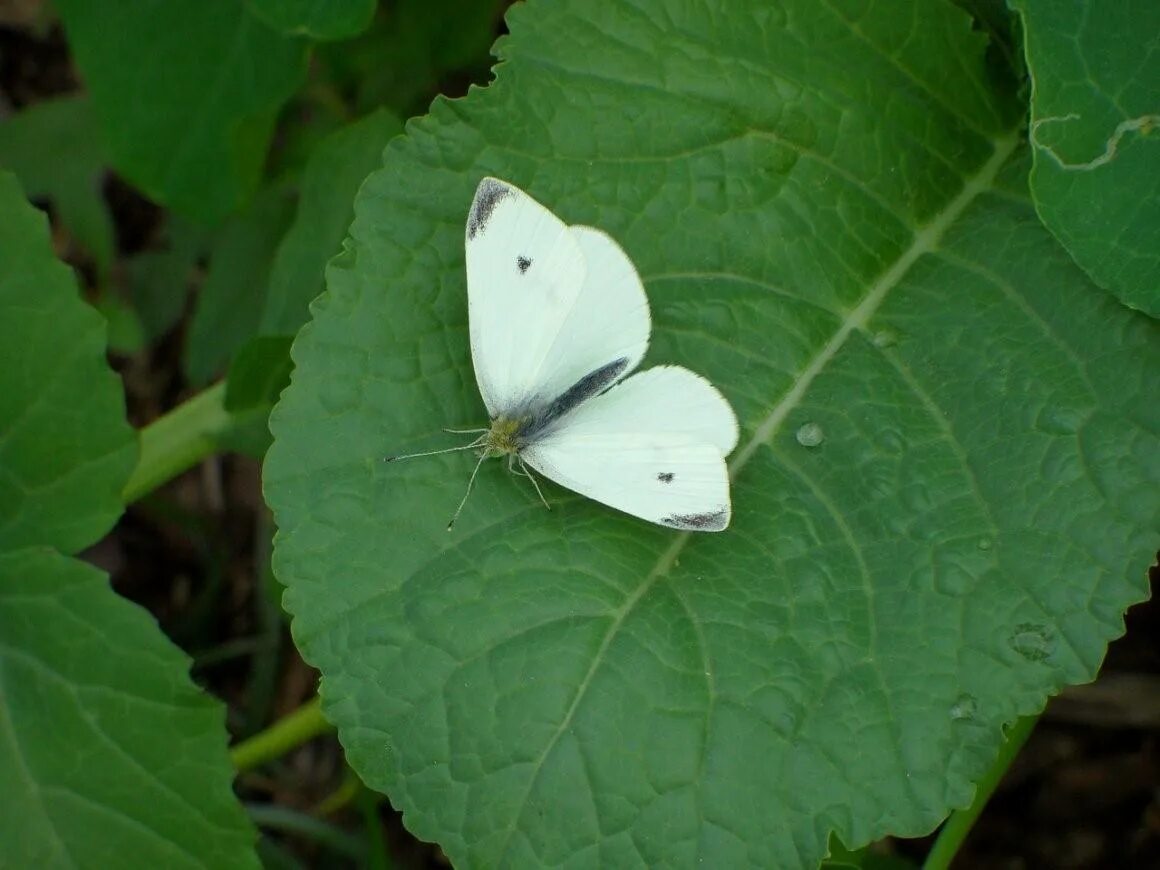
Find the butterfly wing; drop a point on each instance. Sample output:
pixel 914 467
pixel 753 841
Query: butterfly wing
pixel 548 304
pixel 653 446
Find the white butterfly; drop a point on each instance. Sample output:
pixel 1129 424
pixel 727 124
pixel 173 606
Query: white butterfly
pixel 558 318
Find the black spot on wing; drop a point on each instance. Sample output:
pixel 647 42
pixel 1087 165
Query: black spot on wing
pixel 665 477
pixel 523 263
pixel 591 384
pixel 710 521
pixel 488 195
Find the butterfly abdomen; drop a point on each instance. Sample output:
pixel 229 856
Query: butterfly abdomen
pixel 592 384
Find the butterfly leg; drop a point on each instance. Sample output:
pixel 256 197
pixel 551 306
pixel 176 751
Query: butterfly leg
pixel 523 469
pixel 470 483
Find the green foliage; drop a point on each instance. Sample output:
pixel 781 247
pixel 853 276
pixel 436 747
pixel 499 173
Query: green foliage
pixel 268 262
pixel 319 19
pixel 109 756
pixel 65 448
pixel 113 758
pixel 946 493
pixel 126 332
pixel 330 180
pixel 158 280
pixel 409 50
pixel 54 150
pixel 832 218
pixel 1095 131
pixel 185 93
pixel 259 373
pixel 229 306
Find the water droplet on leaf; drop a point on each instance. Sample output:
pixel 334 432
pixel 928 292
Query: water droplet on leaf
pixel 966 706
pixel 885 338
pixel 1032 641
pixel 810 435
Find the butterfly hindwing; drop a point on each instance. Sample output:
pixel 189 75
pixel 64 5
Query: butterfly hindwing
pixel 653 446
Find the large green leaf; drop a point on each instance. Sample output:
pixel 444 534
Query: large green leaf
pixel 54 150
pixel 65 448
pixel 109 756
pixel 945 495
pixel 186 94
pixel 1095 128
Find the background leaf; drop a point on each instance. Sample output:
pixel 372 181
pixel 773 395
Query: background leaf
pixel 945 496
pixel 415 48
pixel 229 305
pixel 186 94
pixel 124 329
pixel 158 280
pixel 54 150
pixel 65 448
pixel 267 263
pixel 318 19
pixel 1095 127
pixel 330 180
pixel 259 373
pixel 109 756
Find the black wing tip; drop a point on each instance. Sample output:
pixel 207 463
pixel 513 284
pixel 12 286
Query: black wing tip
pixel 490 193
pixel 709 521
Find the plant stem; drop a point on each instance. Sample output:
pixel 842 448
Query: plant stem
pixel 377 855
pixel 303 724
pixel 294 822
pixel 954 832
pixel 179 440
pixel 347 792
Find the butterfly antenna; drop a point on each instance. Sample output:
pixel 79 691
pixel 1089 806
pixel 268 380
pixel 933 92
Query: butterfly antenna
pixel 465 431
pixel 528 474
pixel 478 442
pixel 463 500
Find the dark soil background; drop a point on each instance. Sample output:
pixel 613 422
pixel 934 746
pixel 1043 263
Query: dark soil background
pixel 1084 793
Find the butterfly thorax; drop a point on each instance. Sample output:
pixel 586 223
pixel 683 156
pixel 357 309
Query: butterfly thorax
pixel 503 438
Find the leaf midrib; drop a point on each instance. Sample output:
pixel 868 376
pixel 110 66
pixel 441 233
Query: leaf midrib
pixel 926 240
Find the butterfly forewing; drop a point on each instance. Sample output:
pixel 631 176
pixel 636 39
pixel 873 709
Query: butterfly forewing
pixel 548 304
